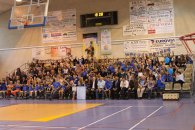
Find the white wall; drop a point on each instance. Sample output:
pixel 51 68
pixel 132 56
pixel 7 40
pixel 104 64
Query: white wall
pixel 11 59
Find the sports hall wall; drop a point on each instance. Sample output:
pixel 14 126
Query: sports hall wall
pixel 16 45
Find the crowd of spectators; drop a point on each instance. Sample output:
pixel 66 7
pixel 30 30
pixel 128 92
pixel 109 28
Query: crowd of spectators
pixel 131 77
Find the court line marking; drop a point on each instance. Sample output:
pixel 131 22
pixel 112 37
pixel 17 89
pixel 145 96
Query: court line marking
pixel 103 118
pixel 127 106
pixel 145 118
pixel 24 126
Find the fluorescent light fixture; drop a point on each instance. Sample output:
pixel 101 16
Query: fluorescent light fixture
pixel 18 0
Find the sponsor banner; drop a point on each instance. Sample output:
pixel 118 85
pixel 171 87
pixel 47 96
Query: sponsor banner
pixel 136 46
pixel 106 47
pixel 153 16
pixel 60 27
pixel 156 46
pixel 90 41
pixel 54 52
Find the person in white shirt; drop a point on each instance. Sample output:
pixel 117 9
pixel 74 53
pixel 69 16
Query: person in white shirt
pixel 124 84
pixel 179 78
pixel 100 90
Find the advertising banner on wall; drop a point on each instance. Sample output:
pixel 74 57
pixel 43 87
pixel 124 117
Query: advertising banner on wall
pixel 106 47
pixel 60 27
pixel 54 52
pixel 162 45
pixel 136 46
pixel 150 17
pixel 90 41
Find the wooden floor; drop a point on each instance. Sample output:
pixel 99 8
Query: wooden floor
pixel 41 112
pixel 154 114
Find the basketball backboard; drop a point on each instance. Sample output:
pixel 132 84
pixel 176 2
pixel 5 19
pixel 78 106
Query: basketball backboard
pixel 31 13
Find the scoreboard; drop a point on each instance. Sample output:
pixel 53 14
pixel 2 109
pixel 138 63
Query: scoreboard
pixel 99 19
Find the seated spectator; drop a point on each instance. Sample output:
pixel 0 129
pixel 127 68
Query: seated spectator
pixel 142 84
pixel 116 88
pixel 16 89
pixel 74 89
pixel 36 90
pixel 108 87
pixel 62 91
pixel 31 90
pixel 3 89
pixel 48 92
pixel 124 84
pixel 160 84
pixel 133 84
pixel 100 90
pixel 179 78
pixel 25 90
pixel 92 87
pixel 150 87
pixel 10 86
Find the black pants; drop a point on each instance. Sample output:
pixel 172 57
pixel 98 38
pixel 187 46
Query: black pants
pixel 123 93
pixel 115 94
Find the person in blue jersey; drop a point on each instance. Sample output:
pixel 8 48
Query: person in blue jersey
pixel 108 87
pixel 170 70
pixel 41 91
pixel 25 90
pixel 31 90
pixel 111 69
pixel 56 87
pixel 62 91
pixel 84 74
pixel 160 83
pixel 16 90
pixel 167 60
pixel 3 89
pixel 36 90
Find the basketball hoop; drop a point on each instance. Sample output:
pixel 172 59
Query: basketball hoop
pixel 29 14
pixel 190 48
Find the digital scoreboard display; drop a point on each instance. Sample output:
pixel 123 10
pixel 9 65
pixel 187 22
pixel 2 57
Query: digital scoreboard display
pixel 99 19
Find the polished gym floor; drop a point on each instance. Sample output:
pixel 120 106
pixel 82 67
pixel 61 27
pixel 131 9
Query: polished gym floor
pixel 143 114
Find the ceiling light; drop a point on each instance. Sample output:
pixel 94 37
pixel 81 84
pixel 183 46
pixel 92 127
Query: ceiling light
pixel 18 0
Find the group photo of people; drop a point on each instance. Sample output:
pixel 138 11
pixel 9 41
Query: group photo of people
pixel 134 77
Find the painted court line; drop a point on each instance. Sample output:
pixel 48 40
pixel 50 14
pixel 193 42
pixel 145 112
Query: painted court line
pixel 145 118
pixel 104 118
pixel 127 106
pixel 49 127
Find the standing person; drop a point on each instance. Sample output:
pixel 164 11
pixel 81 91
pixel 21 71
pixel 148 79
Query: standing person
pixel 141 87
pixel 124 84
pixel 116 88
pixel 108 87
pixel 90 50
pixel 100 89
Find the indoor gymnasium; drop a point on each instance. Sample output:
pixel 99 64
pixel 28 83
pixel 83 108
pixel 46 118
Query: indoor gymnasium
pixel 97 65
